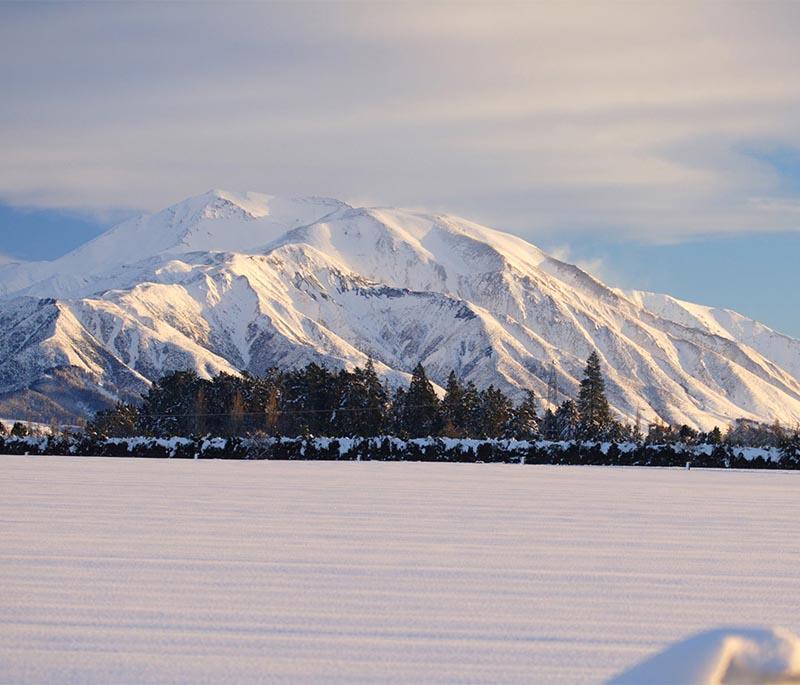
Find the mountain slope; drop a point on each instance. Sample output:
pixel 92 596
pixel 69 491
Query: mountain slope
pixel 777 347
pixel 227 282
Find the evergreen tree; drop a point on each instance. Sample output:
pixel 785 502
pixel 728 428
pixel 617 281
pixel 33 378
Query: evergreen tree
pixel 19 430
pixel 454 411
pixel 790 449
pixel 238 413
pixel 265 397
pixel 396 424
pixel 660 433
pixel 363 403
pixel 593 408
pixel 715 436
pixel 495 413
pixel 350 392
pixel 271 407
pixel 617 431
pixel 3 430
pixel 200 407
pixel 420 413
pixel 566 421
pixel 687 435
pixel 168 407
pixel 525 422
pixel 226 401
pixel 472 411
pixel 121 421
pixel 548 426
pixel 376 403
pixel 311 397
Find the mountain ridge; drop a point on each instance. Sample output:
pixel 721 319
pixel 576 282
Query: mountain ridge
pixel 242 281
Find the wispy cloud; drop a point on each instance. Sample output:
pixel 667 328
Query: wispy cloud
pixel 630 119
pixel 595 266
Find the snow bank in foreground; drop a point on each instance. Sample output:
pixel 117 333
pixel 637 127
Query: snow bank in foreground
pixel 740 656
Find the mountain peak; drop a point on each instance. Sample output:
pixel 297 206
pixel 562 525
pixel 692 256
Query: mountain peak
pixel 232 280
pixel 216 202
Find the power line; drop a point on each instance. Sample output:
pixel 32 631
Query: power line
pixel 277 412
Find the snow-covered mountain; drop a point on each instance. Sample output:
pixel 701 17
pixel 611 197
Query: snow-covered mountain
pixel 230 282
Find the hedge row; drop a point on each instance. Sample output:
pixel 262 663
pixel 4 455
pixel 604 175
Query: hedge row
pixel 395 449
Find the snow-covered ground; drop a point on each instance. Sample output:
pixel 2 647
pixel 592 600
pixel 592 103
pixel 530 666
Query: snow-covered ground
pixel 165 571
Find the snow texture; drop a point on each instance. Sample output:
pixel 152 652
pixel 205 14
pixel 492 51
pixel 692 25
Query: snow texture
pixel 244 281
pixel 165 571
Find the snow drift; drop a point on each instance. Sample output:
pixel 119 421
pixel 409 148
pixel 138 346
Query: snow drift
pixel 735 656
pixel 244 281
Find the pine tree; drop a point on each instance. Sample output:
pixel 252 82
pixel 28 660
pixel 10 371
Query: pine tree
pixel 715 436
pixel 525 422
pixel 229 401
pixel 495 413
pixel 265 400
pixel 566 421
pixel 421 413
pixel 311 398
pixel 168 407
pixel 350 400
pixel 237 413
pixel 363 403
pixel 790 449
pixel 271 408
pixel 687 435
pixel 593 408
pixel 293 419
pixel 660 433
pixel 19 430
pixel 396 424
pixel 322 398
pixel 548 426
pixel 454 415
pixel 3 430
pixel 472 411
pixel 200 408
pixel 376 403
pixel 121 421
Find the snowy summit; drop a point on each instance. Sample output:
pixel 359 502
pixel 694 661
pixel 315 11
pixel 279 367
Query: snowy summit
pixel 244 281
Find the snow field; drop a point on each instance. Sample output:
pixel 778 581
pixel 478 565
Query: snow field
pixel 161 571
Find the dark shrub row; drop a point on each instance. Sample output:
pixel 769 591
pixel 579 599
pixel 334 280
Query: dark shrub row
pixel 425 449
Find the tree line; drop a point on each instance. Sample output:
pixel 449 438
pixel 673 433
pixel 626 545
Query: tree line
pixel 315 400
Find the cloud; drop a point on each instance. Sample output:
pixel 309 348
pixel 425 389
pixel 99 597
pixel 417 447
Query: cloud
pixel 595 266
pixel 632 120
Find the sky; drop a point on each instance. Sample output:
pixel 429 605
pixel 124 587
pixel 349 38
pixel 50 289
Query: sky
pixel 655 144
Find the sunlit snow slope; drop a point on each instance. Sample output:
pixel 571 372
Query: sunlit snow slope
pixel 244 281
